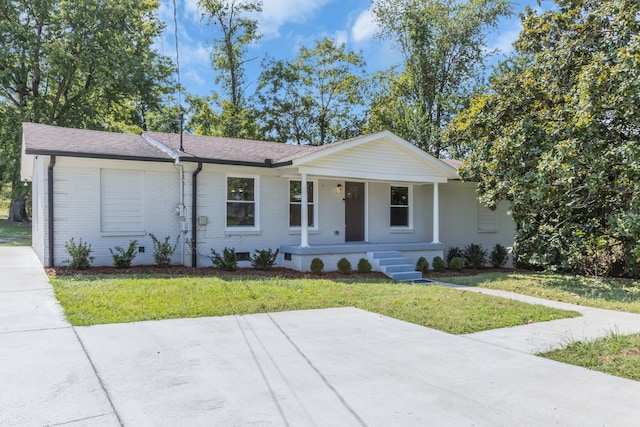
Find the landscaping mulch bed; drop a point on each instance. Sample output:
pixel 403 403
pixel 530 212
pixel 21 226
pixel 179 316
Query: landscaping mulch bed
pixel 179 270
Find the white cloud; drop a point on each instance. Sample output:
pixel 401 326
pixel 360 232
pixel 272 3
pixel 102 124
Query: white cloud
pixel 365 27
pixel 503 42
pixel 340 37
pixel 276 13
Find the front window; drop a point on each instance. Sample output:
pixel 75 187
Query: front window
pixel 241 202
pixel 399 209
pixel 295 204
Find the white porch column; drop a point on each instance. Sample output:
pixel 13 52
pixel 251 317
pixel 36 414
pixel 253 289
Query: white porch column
pixel 304 213
pixel 436 214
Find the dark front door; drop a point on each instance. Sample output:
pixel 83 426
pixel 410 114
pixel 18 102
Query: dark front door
pixel 354 211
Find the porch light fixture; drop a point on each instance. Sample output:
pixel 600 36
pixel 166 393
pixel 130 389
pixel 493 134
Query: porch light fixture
pixel 339 189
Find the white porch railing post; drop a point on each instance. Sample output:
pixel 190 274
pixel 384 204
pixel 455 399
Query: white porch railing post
pixel 304 213
pixel 436 214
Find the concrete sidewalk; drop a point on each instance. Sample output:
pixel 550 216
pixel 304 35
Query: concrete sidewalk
pixel 45 376
pixel 307 368
pixel 545 336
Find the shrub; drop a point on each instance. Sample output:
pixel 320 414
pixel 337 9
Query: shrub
pixel 474 256
pixel 453 252
pixel 456 263
pixel 228 261
pixel 498 256
pixel 364 266
pixel 122 258
pixel 264 259
pixel 438 264
pixel 163 251
pixel 80 253
pixel 316 266
pixel 344 266
pixel 422 265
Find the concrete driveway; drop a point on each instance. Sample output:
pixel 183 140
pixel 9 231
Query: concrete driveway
pixel 309 368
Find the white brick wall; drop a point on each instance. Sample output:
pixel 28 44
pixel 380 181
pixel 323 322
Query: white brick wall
pixel 77 207
pixel 77 211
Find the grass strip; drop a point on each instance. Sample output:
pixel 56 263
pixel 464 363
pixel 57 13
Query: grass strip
pixel 611 294
pixel 14 233
pixel 615 355
pixel 90 300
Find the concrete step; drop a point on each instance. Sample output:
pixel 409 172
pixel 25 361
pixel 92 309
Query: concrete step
pixel 406 276
pixel 398 268
pixel 391 261
pixel 386 254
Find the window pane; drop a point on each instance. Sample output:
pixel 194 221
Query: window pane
pixel 400 196
pixel 295 192
pixel 240 214
pixel 309 192
pixel 240 189
pixel 399 216
pixel 295 216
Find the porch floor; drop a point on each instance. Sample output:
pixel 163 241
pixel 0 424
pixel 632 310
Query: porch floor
pixel 351 247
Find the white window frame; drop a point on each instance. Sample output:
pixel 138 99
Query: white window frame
pixel 315 205
pixel 104 176
pixel 408 227
pixel 256 201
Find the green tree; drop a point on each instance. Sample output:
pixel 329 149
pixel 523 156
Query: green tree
pixel 559 137
pixel 317 98
pixel 237 31
pixel 76 63
pixel 443 43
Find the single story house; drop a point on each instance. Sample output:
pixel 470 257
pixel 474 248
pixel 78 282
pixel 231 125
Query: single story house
pixel 374 196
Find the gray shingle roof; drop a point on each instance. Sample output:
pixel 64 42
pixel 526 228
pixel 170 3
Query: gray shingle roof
pixel 55 140
pixel 214 148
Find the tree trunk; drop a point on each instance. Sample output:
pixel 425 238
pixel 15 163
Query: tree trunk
pixel 18 211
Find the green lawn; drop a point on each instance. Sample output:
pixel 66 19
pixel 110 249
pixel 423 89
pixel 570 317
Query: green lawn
pixel 109 299
pixel 612 294
pixel 616 354
pixel 14 234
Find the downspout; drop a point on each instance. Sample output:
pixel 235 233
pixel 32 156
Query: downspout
pixel 194 215
pixel 52 163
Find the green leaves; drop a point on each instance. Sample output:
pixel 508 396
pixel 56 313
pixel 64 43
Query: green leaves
pixel 557 136
pixel 444 47
pixel 316 98
pixel 77 63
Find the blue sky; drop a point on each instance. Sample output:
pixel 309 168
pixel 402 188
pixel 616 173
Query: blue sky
pixel 285 25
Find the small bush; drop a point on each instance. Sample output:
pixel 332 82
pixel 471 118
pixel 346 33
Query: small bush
pixel 422 265
pixel 264 259
pixel 316 266
pixel 438 264
pixel 498 256
pixel 228 261
pixel 163 251
pixel 122 258
pixel 456 263
pixel 474 256
pixel 344 266
pixel 453 252
pixel 80 254
pixel 364 266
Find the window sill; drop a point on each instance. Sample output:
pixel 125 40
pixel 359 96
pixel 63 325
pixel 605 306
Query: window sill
pixel 122 233
pixel 401 230
pixel 240 232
